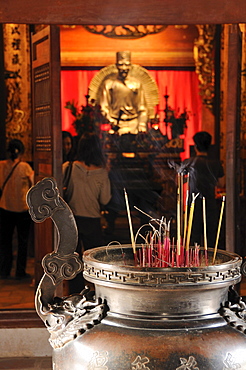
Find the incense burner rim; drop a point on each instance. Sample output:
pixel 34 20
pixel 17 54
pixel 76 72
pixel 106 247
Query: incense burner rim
pixel 90 255
pixel 101 272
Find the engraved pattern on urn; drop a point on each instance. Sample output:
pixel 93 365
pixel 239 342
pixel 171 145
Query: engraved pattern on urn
pixel 230 364
pixel 189 364
pixel 139 363
pixel 99 361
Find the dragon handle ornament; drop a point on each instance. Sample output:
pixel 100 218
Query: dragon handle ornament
pixel 66 317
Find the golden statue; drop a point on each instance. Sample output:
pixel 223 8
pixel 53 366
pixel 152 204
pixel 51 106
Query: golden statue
pixel 126 93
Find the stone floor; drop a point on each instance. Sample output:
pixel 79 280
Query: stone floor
pixel 16 294
pixel 35 363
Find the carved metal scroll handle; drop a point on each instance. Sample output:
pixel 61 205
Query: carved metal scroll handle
pixel 234 311
pixel 68 317
pixel 63 263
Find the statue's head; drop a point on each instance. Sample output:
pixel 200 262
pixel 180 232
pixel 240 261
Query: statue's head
pixel 123 63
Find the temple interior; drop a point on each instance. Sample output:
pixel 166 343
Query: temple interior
pixel 49 81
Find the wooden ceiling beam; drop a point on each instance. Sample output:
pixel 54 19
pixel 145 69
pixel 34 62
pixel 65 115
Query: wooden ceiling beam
pixel 123 11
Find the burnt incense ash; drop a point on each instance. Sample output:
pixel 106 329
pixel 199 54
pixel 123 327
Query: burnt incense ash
pixel 122 255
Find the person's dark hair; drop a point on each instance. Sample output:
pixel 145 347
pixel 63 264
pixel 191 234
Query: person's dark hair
pixel 15 148
pixel 67 134
pixel 90 150
pixel 71 154
pixel 202 140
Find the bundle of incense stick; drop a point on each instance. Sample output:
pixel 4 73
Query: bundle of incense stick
pixel 158 250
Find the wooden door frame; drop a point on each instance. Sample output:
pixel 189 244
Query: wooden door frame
pixel 232 139
pixel 3 98
pixel 120 12
pixel 123 12
pixel 47 130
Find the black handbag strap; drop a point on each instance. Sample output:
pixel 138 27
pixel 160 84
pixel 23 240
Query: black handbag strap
pixel 9 175
pixel 67 175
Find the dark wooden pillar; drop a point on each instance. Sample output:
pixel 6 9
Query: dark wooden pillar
pixel 2 98
pixel 217 68
pixel 232 140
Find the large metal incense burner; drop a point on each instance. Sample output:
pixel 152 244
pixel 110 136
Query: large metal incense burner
pixel 140 317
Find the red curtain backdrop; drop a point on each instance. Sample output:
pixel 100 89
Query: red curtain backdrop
pixel 181 86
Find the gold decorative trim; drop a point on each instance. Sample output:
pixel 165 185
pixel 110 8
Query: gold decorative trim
pixel 18 85
pixel 125 31
pixel 204 62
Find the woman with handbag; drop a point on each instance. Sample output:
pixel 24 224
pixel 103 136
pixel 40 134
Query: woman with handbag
pixel 87 188
pixel 16 177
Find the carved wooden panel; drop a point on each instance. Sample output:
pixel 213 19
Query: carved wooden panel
pixel 47 139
